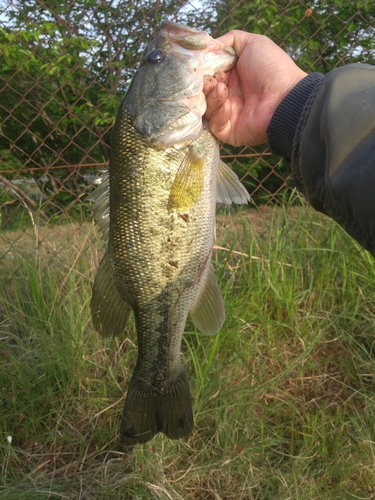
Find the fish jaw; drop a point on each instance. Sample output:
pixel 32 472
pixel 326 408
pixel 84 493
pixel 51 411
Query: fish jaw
pixel 186 41
pixel 202 55
pixel 166 98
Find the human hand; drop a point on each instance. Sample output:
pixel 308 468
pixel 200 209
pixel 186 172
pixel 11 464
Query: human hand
pixel 240 103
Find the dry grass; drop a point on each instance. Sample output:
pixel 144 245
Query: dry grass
pixel 283 395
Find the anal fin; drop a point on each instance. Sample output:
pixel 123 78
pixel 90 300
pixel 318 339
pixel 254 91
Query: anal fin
pixel 109 312
pixel 208 314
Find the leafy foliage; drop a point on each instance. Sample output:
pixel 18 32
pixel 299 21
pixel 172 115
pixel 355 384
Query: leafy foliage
pixel 319 35
pixel 64 68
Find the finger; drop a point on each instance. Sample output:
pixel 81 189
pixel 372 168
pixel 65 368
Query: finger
pixel 209 84
pixel 216 98
pixel 219 123
pixel 227 39
pixel 238 40
pixel 221 77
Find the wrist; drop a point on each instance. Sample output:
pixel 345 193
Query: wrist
pixel 284 121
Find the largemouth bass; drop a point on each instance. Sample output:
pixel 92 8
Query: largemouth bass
pixel 164 180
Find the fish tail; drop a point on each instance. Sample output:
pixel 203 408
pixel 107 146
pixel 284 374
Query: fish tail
pixel 148 411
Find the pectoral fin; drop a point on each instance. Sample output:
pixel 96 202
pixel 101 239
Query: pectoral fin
pixel 229 187
pixel 188 184
pixel 208 314
pixel 109 312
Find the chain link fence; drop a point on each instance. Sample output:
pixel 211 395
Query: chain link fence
pixel 64 69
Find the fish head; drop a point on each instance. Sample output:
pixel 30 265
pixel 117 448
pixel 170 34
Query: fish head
pixel 166 95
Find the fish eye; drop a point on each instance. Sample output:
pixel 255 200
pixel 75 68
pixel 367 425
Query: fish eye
pixel 155 56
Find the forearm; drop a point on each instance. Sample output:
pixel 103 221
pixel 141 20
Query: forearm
pixel 326 127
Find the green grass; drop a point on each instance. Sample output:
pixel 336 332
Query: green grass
pixel 284 396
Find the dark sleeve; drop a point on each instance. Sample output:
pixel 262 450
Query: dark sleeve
pixel 330 142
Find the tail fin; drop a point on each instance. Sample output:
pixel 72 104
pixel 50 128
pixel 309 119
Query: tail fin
pixel 148 411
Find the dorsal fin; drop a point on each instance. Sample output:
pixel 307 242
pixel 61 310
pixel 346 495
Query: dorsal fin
pixel 100 204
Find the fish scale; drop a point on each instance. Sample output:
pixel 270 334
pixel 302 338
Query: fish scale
pixel 163 185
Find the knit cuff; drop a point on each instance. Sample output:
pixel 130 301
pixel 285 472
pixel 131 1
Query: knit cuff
pixel 284 122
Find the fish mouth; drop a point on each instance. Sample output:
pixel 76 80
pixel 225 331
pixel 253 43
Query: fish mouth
pixel 187 127
pixel 169 103
pixel 186 41
pixel 200 55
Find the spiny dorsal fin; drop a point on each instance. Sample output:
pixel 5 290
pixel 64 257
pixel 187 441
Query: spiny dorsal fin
pixel 100 208
pixel 208 314
pixel 229 187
